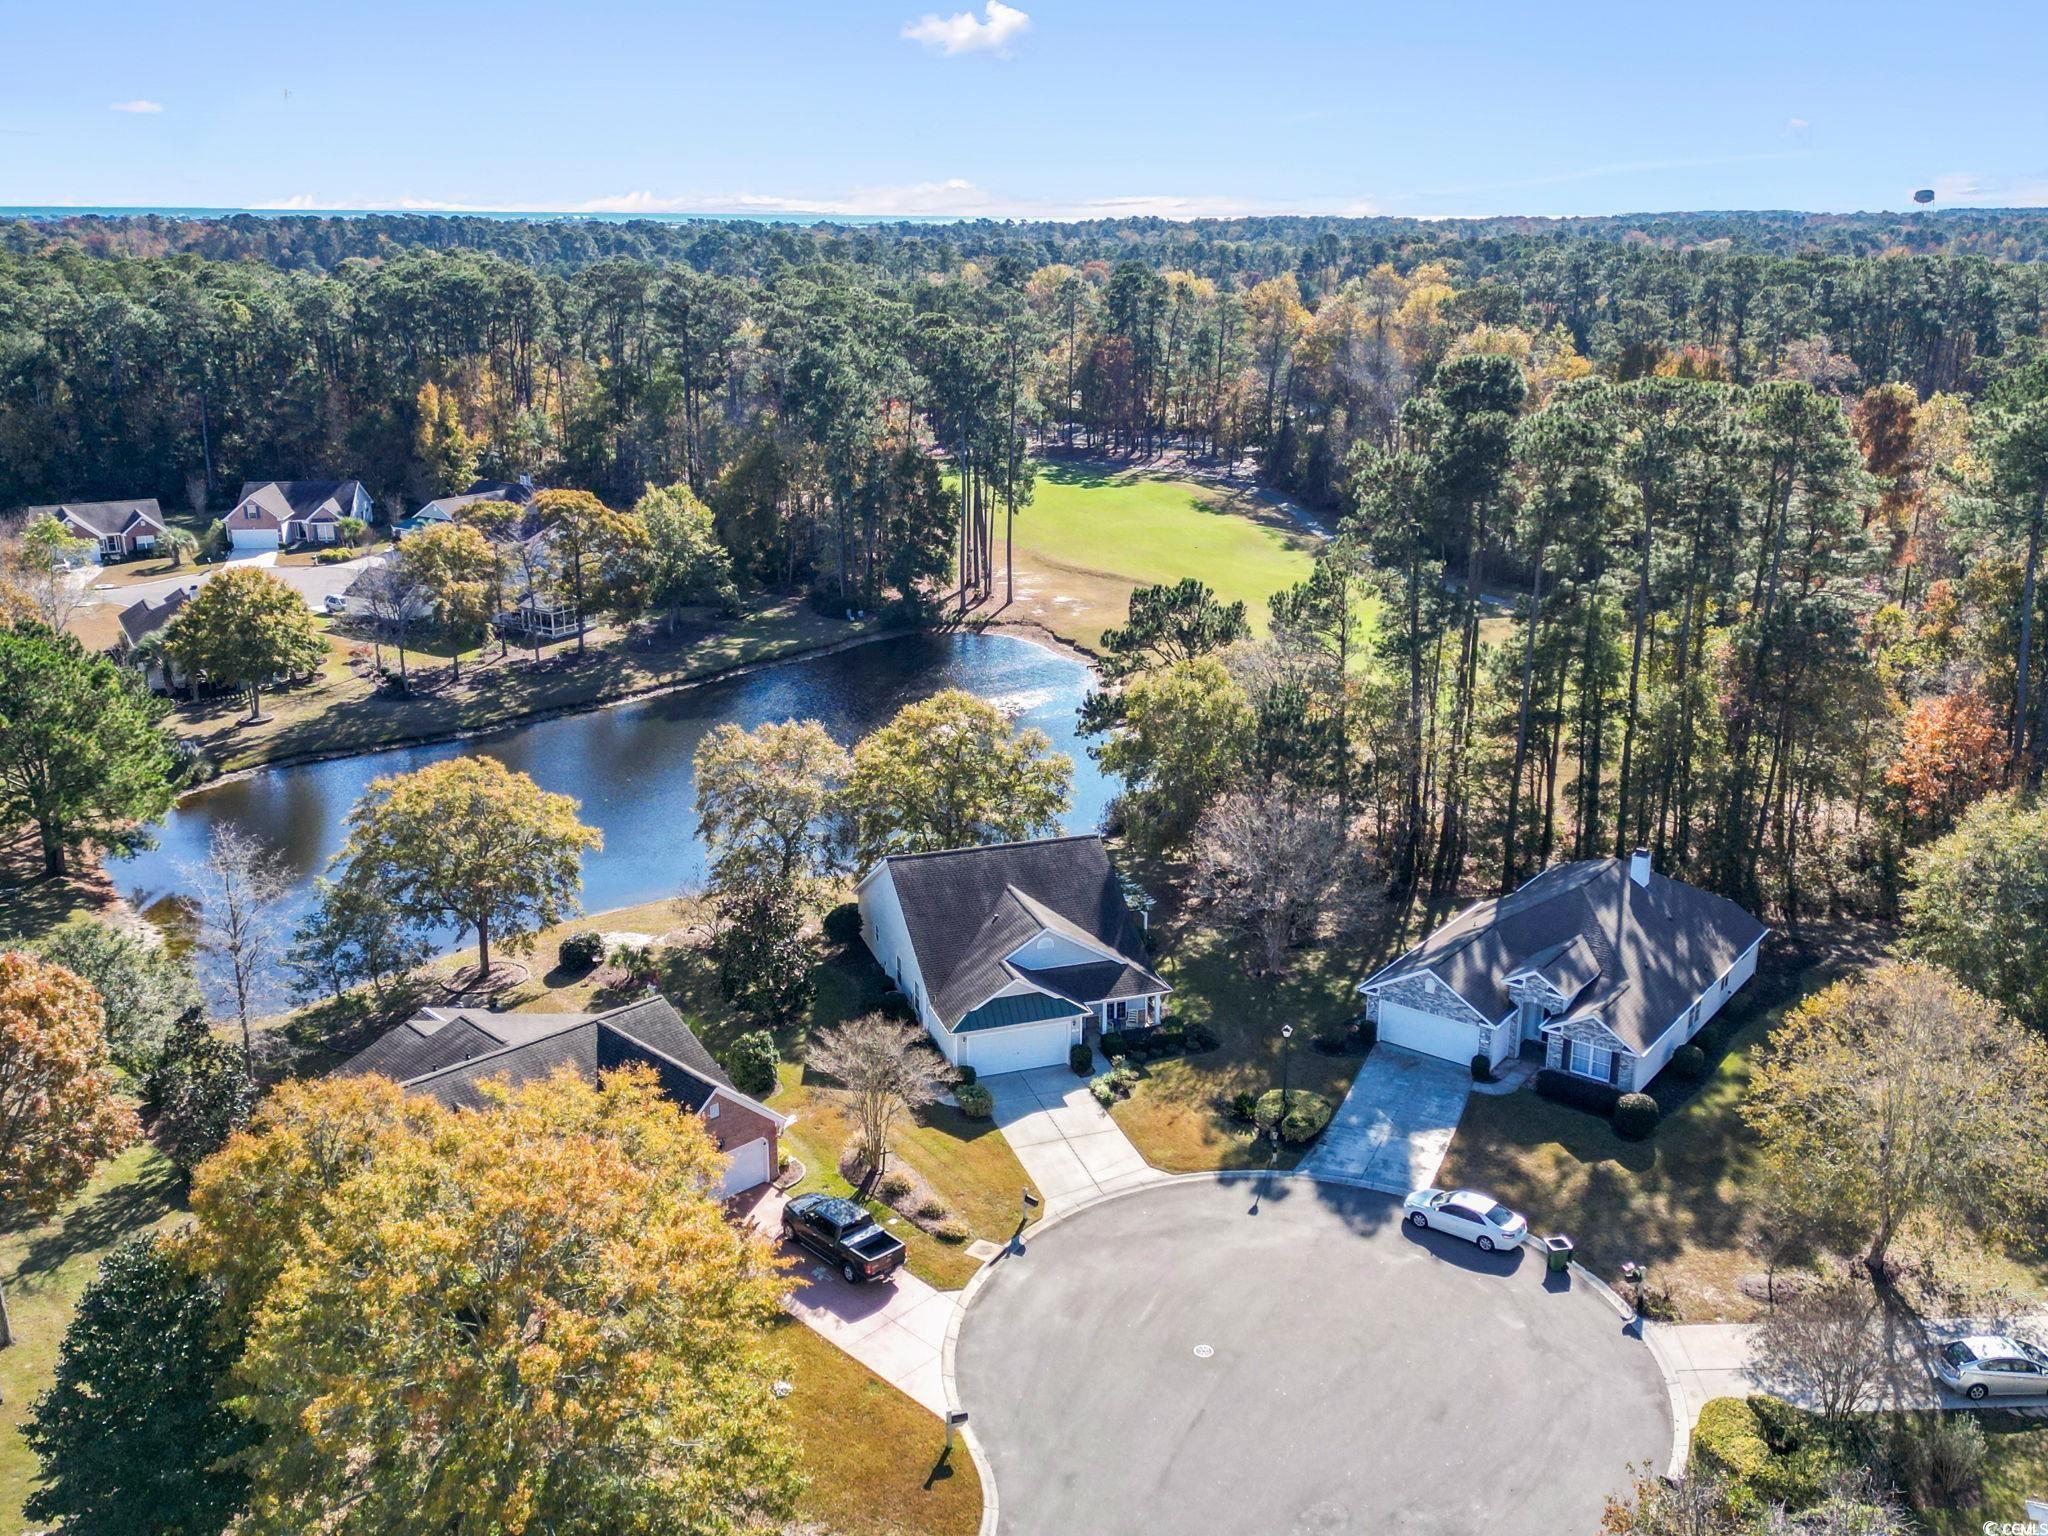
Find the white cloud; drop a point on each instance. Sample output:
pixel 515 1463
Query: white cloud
pixel 1796 127
pixel 1975 191
pixel 139 106
pixel 964 32
pixel 296 200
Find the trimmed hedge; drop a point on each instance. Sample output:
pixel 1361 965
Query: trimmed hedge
pixel 1635 1116
pixel 1577 1092
pixel 975 1101
pixel 1155 1044
pixel 967 1075
pixel 1482 1068
pixel 1306 1114
pixel 842 924
pixel 1081 1058
pixel 1689 1062
pixel 1728 1439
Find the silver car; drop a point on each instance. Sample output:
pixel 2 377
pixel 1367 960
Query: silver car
pixel 1479 1219
pixel 1989 1365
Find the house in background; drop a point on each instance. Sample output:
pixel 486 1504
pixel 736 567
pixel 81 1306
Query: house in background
pixel 276 514
pixel 1604 964
pixel 1009 954
pixel 115 529
pixel 140 622
pixel 442 509
pixel 449 1053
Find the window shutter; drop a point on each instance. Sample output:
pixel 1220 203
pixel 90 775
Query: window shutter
pixel 1614 1067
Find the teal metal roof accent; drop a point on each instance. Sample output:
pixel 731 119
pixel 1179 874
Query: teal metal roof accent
pixel 1018 1008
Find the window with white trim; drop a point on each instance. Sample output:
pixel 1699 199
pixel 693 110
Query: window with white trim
pixel 1594 1061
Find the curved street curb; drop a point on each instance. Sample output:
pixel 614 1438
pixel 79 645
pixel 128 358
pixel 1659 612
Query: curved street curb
pixel 991 1505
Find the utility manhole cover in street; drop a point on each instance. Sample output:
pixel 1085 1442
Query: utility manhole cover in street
pixel 1204 1351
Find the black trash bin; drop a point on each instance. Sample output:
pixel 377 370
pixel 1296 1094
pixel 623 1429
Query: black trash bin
pixel 1557 1253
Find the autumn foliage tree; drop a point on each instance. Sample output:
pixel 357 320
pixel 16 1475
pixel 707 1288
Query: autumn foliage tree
pixel 531 1319
pixel 1950 754
pixel 471 842
pixel 59 1119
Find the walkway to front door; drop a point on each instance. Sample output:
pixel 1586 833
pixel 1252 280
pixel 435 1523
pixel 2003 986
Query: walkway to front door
pixel 1393 1128
pixel 1066 1141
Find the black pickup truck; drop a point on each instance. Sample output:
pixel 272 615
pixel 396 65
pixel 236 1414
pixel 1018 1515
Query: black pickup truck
pixel 842 1233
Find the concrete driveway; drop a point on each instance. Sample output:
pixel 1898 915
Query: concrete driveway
pixel 895 1327
pixel 1259 1356
pixel 1067 1142
pixel 1395 1124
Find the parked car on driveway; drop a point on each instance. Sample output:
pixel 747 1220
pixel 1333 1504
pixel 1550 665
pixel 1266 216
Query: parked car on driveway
pixel 1466 1213
pixel 843 1233
pixel 1989 1365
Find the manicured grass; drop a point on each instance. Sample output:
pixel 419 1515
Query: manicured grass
pixel 44 1267
pixel 871 1454
pixel 1092 533
pixel 1177 1117
pixel 340 712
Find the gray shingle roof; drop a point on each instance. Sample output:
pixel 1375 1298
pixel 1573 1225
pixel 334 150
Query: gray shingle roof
pixel 288 499
pixel 1635 956
pixel 104 518
pixel 966 909
pixel 450 1053
pixel 144 618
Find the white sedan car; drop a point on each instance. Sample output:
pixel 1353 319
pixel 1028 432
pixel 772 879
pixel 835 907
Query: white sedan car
pixel 1466 1213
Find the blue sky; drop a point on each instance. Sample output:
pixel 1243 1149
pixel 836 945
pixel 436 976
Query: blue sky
pixel 1040 107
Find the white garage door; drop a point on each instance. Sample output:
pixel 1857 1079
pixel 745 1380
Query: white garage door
pixel 1016 1048
pixel 746 1167
pixel 253 538
pixel 1425 1032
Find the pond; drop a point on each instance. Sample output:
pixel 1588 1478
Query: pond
pixel 630 765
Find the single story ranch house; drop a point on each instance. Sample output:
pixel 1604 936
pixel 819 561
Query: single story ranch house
pixel 1604 963
pixel 449 1053
pixel 115 529
pixel 1009 954
pixel 275 514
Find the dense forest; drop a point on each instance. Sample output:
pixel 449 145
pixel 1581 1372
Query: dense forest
pixel 1717 533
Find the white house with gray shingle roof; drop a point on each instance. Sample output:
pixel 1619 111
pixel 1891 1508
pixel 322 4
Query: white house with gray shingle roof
pixel 1604 963
pixel 1009 954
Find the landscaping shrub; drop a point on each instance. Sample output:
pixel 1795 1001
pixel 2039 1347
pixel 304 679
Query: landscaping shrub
pixel 975 1101
pixel 580 951
pixel 1305 1114
pixel 334 557
pixel 1482 1068
pixel 1336 1039
pixel 931 1208
pixel 966 1076
pixel 1081 1057
pixel 1938 1458
pixel 1689 1062
pixel 952 1230
pixel 1635 1116
pixel 1783 1427
pixel 1114 1084
pixel 1729 1440
pixel 1577 1092
pixel 894 1187
pixel 1200 1038
pixel 751 1061
pixel 1368 1032
pixel 842 924
pixel 1243 1107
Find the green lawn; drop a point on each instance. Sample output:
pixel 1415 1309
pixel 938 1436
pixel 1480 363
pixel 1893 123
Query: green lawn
pixel 870 1454
pixel 44 1267
pixel 1092 533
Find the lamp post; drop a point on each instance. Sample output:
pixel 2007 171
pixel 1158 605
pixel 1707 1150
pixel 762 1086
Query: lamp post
pixel 1286 1068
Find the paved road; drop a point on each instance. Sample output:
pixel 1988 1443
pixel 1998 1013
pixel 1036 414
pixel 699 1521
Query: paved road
pixel 1067 1142
pixel 1362 1379
pixel 313 582
pixel 1393 1128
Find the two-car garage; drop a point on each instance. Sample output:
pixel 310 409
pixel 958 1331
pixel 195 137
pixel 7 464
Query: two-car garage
pixel 1429 1033
pixel 1018 1047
